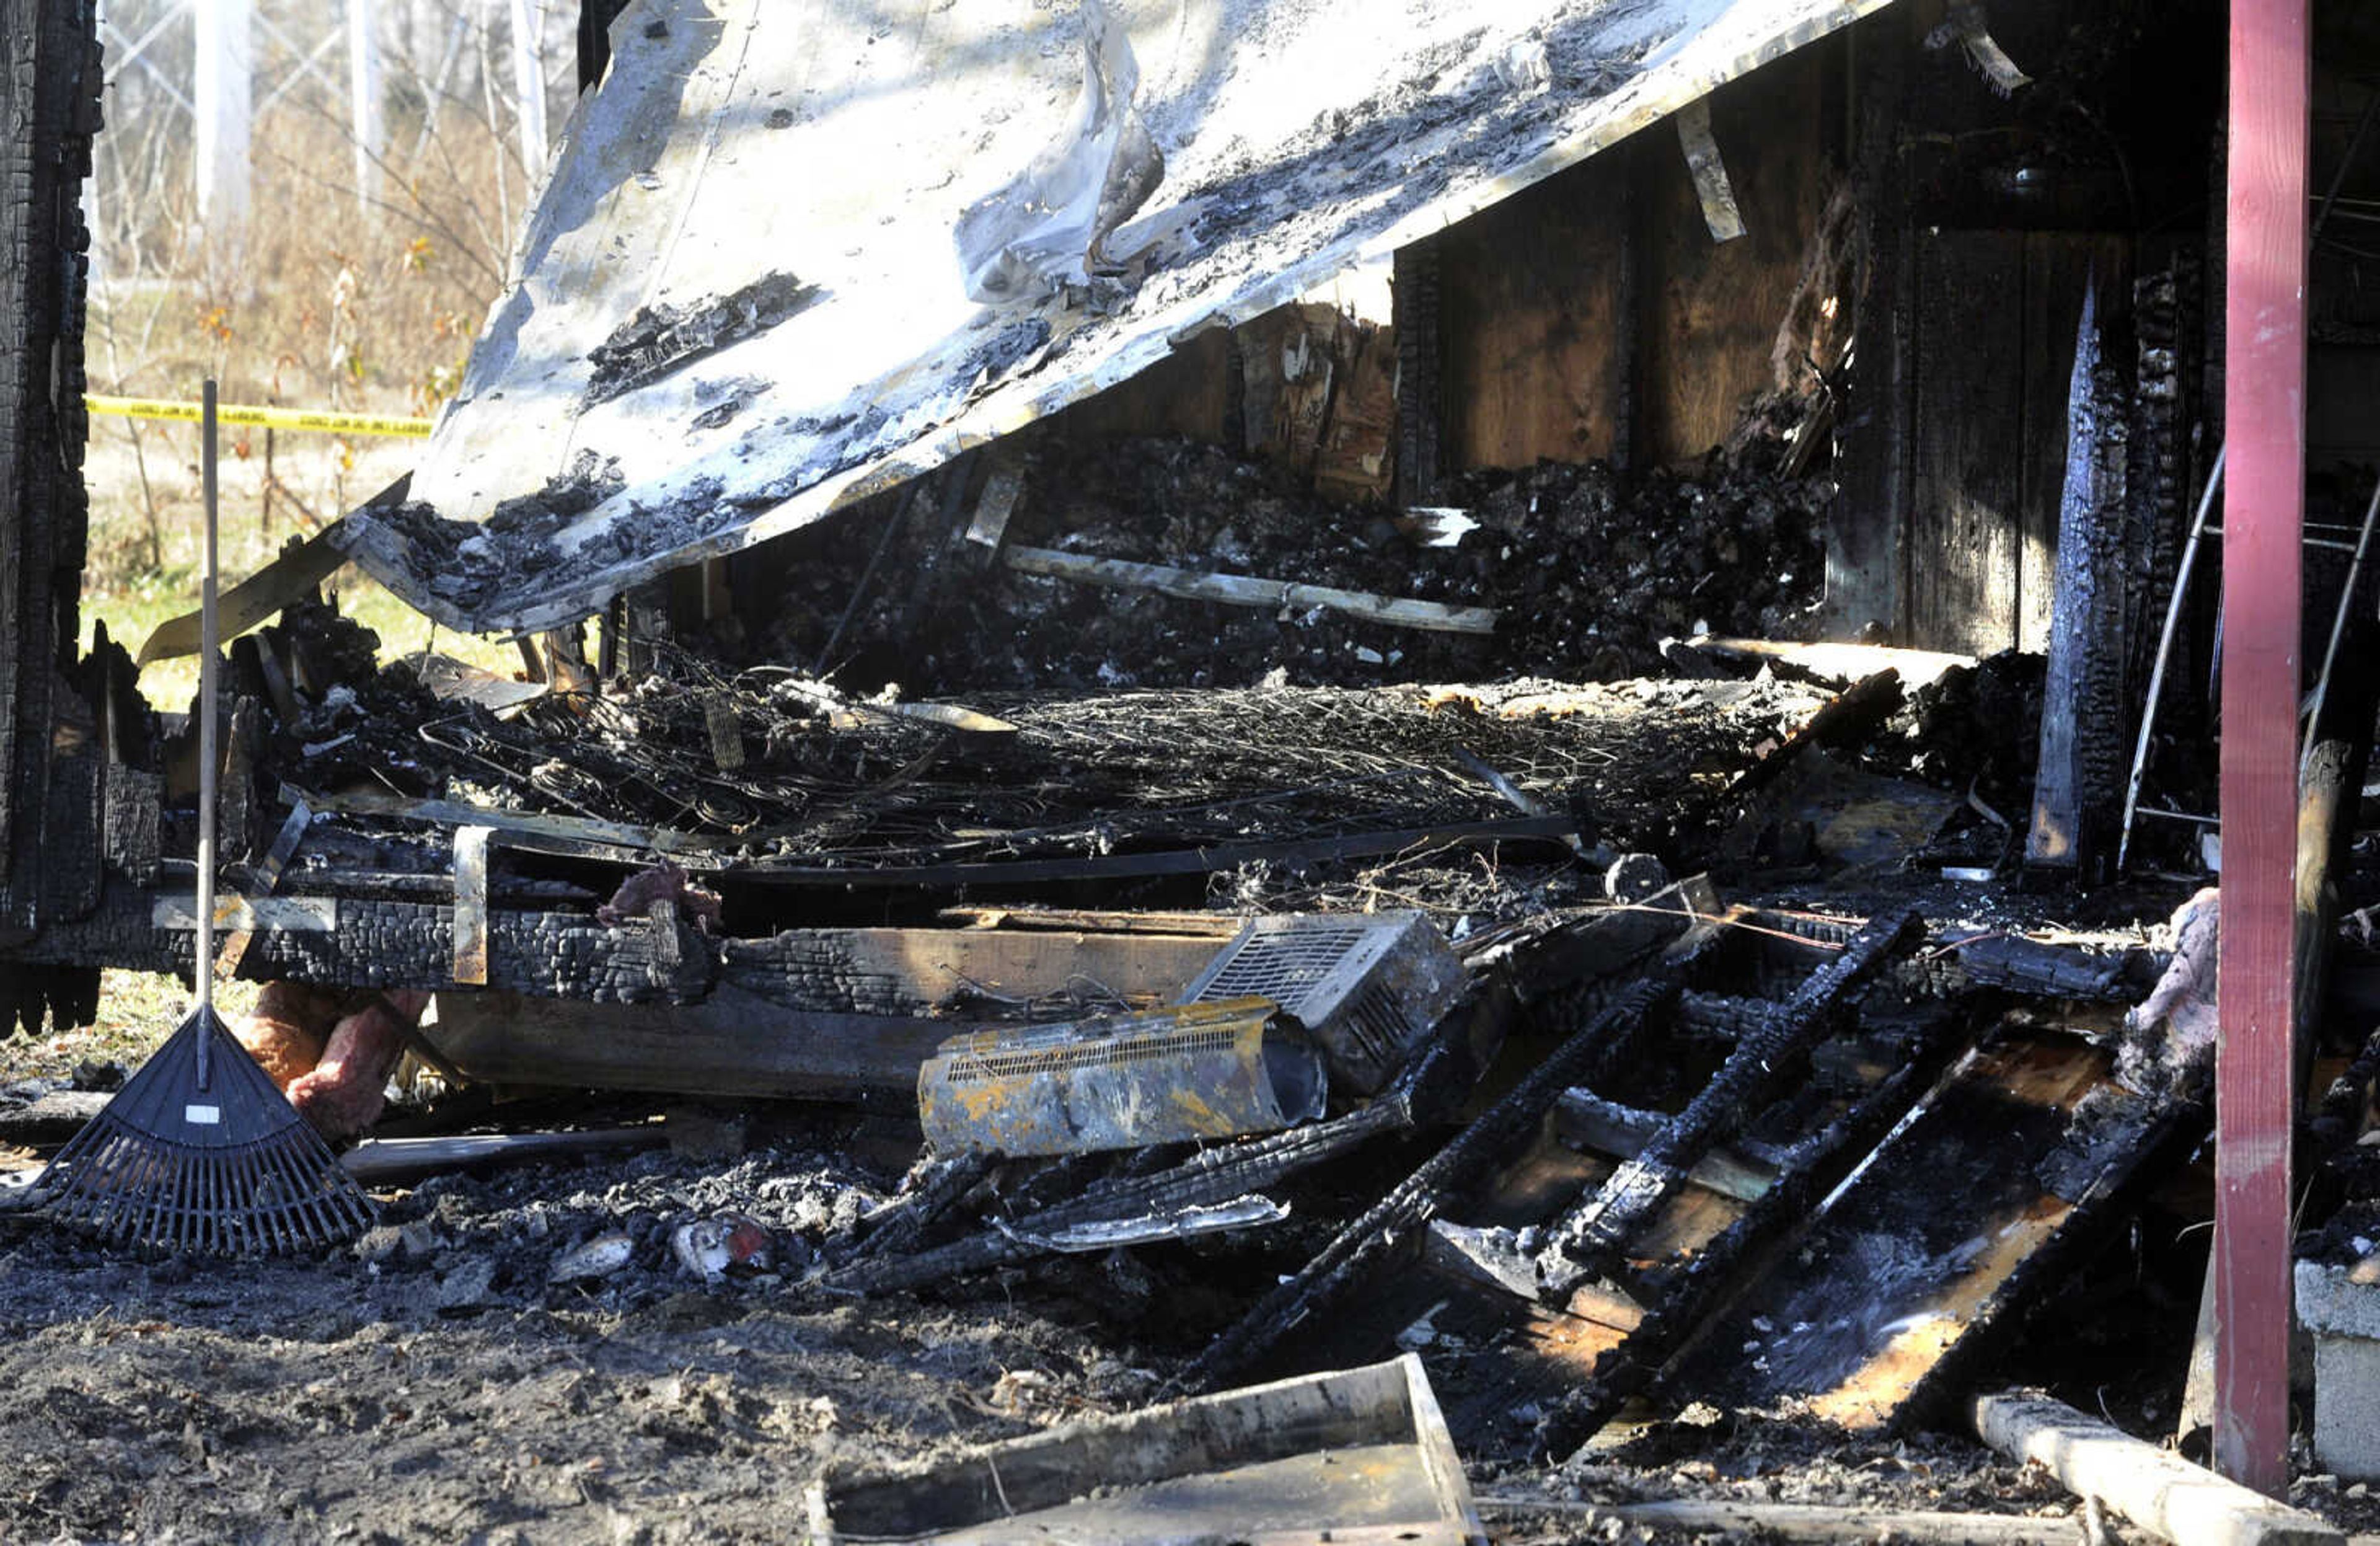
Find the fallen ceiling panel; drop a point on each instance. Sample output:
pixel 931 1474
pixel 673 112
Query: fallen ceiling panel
pixel 741 305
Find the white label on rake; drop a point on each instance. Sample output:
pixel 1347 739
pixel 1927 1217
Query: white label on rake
pixel 202 1117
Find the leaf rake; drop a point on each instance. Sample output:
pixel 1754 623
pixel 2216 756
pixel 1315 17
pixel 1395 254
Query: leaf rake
pixel 199 1151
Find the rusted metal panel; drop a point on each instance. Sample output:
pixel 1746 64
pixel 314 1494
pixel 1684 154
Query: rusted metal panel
pixel 1121 1081
pixel 2263 515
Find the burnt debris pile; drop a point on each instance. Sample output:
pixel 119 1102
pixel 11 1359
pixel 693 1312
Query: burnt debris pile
pixel 1586 573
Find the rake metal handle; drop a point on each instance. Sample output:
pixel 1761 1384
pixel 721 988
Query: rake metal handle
pixel 204 959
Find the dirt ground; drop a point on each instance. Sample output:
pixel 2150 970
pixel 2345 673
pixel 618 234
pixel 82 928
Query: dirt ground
pixel 435 1383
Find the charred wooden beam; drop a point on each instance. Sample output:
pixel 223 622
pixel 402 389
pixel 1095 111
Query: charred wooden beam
pixel 1592 1238
pixel 2079 788
pixel 901 1226
pixel 406 944
pixel 1725 1017
pixel 1585 1120
pixel 1421 368
pixel 2026 966
pixel 1207 1179
pixel 2158 481
pixel 731 1044
pixel 1852 713
pixel 49 81
pixel 1684 1300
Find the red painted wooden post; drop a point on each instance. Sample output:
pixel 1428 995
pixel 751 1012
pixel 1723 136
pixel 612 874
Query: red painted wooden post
pixel 2264 509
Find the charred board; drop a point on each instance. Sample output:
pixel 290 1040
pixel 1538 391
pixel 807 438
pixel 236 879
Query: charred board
pixel 2085 724
pixel 1534 1368
pixel 1935 1239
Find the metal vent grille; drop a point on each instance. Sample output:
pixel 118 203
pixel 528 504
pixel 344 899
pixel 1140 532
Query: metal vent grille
pixel 1281 966
pixel 1367 988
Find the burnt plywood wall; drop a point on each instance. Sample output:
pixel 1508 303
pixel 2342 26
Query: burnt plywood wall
pixel 1710 312
pixel 1996 317
pixel 1987 211
pixel 1594 315
pixel 1589 316
pixel 1531 297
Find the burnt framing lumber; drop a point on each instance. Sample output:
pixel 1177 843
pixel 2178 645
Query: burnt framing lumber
pixel 53 778
pixel 1590 1240
pixel 611 842
pixel 2025 966
pixel 1686 1298
pixel 1399 1222
pixel 1416 284
pixel 2079 790
pixel 399 944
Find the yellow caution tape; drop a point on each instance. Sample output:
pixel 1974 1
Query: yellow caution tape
pixel 268 418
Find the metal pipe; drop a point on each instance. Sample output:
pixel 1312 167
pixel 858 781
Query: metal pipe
pixel 203 962
pixel 2339 624
pixel 2165 650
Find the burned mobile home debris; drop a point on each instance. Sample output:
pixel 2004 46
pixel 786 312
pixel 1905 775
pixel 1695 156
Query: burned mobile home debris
pixel 1495 765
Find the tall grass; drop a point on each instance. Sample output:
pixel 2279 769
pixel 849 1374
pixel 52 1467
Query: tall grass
pixel 328 299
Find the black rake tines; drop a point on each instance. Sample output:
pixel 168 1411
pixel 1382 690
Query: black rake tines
pixel 200 1152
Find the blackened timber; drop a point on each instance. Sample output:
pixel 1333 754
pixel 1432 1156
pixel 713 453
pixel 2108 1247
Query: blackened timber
pixel 2026 966
pixel 731 1044
pixel 406 944
pixel 1685 1301
pixel 50 80
pixel 1234 1172
pixel 1421 412
pixel 1208 1177
pixel 1585 1120
pixel 903 1226
pixel 1848 715
pixel 1397 1221
pixel 2078 788
pixel 1724 1017
pixel 1593 1236
pixel 2158 481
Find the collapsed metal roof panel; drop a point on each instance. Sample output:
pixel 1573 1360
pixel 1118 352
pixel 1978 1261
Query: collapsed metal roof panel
pixel 741 302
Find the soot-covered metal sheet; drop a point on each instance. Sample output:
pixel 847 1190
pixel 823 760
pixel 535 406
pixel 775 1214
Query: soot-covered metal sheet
pixel 740 304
